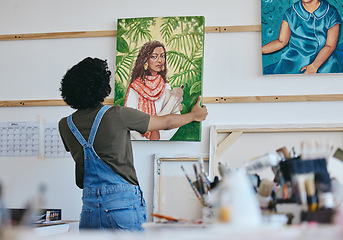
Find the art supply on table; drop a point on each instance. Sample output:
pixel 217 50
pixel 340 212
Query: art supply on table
pixel 223 171
pixel 335 166
pixel 270 159
pixel 199 196
pixel 312 200
pixel 298 171
pixel 286 190
pixel 326 199
pixel 301 179
pixel 200 185
pixel 264 193
pixel 315 149
pixel 204 176
pixel 339 154
pixel 293 153
pixel 244 208
pixel 33 206
pixel 310 181
pixel 234 200
pixel 215 182
pixel 208 215
pixel 168 218
pixel 4 215
pixel 299 185
pixel 224 200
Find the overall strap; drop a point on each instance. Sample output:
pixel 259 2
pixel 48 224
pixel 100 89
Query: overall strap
pixel 76 132
pixel 95 126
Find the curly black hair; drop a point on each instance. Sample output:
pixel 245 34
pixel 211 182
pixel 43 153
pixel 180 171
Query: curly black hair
pixel 86 84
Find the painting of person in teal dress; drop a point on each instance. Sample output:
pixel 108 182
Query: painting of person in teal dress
pixel 309 37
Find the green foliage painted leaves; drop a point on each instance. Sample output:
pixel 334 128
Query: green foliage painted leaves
pixel 122 45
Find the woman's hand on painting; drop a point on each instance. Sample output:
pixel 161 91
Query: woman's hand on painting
pixel 170 121
pixel 309 69
pixel 200 112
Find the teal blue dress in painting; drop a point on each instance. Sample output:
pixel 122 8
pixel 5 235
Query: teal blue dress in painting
pixel 308 37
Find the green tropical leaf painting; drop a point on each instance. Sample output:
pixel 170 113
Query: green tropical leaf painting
pixel 183 39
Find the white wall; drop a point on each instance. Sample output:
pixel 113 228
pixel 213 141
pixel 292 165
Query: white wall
pixel 32 69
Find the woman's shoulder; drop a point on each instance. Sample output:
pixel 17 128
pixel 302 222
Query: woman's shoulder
pixel 62 123
pixel 114 109
pixel 127 115
pixel 121 110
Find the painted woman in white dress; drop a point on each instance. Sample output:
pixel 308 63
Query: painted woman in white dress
pixel 149 90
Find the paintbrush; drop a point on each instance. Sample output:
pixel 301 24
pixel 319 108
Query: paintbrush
pixel 203 175
pixel 198 181
pixel 312 200
pixel 169 218
pixel 194 188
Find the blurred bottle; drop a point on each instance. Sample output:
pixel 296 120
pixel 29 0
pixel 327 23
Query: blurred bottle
pixel 225 200
pixel 270 159
pixel 236 201
pixel 264 194
pixel 33 213
pixel 4 217
pixel 245 209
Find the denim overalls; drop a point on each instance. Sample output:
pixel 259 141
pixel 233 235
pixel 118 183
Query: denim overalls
pixel 109 201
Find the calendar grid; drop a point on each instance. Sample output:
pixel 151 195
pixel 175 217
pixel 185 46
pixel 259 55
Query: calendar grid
pixel 19 139
pixel 24 139
pixel 53 145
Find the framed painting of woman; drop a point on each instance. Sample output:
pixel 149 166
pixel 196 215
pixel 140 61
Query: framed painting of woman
pixel 159 64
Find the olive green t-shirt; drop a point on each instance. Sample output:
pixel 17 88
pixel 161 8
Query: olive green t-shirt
pixel 112 141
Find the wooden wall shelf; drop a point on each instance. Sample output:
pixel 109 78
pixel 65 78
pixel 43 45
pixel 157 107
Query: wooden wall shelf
pixel 113 33
pixel 206 100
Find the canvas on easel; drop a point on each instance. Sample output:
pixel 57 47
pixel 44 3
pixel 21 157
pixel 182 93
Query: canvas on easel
pixel 159 66
pixel 173 195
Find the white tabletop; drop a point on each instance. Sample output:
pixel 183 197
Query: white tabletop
pixel 168 231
